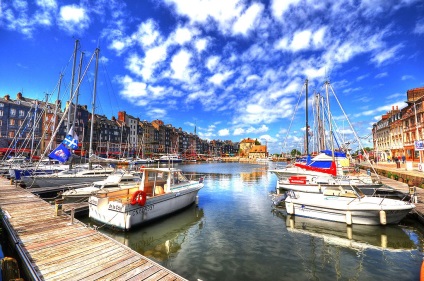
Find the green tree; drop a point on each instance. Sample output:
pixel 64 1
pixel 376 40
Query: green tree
pixel 257 142
pixel 295 152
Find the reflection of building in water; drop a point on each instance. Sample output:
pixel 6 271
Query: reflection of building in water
pixel 162 238
pixel 389 237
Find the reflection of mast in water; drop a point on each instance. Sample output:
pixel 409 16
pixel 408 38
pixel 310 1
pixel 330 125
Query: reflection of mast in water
pixel 162 238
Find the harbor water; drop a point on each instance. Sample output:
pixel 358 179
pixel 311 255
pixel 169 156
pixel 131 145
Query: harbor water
pixel 236 234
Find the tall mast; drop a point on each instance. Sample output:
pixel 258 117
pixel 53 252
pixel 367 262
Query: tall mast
pixel 90 151
pixel 72 85
pixel 330 119
pixel 307 125
pixel 77 94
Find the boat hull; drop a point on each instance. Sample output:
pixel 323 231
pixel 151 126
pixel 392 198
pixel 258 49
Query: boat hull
pixel 58 181
pixel 125 216
pixel 364 211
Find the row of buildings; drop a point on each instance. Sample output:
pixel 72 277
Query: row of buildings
pixel 27 125
pixel 400 132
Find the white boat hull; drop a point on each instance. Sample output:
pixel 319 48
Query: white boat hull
pixel 364 210
pixel 126 216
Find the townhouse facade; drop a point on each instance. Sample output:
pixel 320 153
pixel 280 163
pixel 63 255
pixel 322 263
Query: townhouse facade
pixel 125 136
pixel 399 133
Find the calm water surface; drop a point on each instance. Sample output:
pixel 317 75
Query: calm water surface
pixel 235 234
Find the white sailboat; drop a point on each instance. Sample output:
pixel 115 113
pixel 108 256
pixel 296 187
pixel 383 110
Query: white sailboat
pixel 330 166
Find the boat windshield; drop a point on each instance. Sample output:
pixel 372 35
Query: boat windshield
pixel 358 191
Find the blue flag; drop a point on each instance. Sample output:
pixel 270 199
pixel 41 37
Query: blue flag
pixel 71 142
pixel 61 153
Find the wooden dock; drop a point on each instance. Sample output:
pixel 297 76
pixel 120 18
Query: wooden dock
pixel 54 247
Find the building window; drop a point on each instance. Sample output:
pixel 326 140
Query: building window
pixel 1 112
pixel 11 122
pixel 21 122
pixel 11 134
pixel 1 104
pixel 21 113
pixel 12 112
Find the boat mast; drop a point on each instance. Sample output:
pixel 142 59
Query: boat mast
pixel 307 125
pixel 330 119
pixel 90 151
pixel 72 85
pixel 79 81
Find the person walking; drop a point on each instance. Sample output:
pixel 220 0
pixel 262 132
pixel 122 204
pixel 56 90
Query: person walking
pixel 403 159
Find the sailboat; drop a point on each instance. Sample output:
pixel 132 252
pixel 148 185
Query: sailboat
pixel 330 166
pixel 62 153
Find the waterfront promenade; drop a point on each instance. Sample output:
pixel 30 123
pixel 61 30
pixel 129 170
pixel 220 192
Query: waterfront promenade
pixel 406 179
pixel 53 246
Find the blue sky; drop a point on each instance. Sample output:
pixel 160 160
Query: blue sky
pixel 233 68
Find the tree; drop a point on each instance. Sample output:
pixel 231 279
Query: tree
pixel 257 142
pixel 295 152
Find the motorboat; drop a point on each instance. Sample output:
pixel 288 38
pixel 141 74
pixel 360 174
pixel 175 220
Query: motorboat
pixel 77 175
pixel 347 204
pixel 139 161
pixel 170 158
pixel 120 180
pixel 162 191
pixel 318 183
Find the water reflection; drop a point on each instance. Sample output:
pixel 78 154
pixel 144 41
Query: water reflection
pixel 162 239
pixel 389 237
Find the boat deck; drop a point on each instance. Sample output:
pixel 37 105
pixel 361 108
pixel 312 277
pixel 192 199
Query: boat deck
pixel 52 246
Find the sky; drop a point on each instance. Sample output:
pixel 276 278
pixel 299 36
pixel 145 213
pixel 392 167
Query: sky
pixel 225 69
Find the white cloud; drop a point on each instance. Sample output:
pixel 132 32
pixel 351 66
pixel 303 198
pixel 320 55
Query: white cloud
pixel 381 75
pixel 247 20
pixel 223 132
pixel 419 27
pixel 201 45
pixel 219 78
pixel 301 40
pixel 132 88
pixel 180 63
pixel 147 34
pixel 73 19
pixel 279 7
pixel 383 56
pixel 238 132
pixel 407 77
pixel 212 62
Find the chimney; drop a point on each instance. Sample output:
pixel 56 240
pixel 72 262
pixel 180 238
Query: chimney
pixel 393 107
pixel 7 97
pixel 19 96
pixel 121 116
pixel 396 107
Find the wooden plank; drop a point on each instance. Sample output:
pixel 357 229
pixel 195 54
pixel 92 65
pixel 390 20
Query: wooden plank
pixel 97 263
pixel 58 250
pixel 120 269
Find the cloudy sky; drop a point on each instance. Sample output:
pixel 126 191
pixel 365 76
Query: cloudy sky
pixel 231 68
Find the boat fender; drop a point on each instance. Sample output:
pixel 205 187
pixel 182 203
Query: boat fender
pixel 290 208
pixel 139 197
pixel 383 219
pixel 142 168
pixel 349 218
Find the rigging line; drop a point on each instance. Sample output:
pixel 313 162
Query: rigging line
pixel 353 130
pixel 106 73
pixel 67 108
pixel 291 121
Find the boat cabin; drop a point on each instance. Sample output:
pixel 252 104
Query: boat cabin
pixel 156 181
